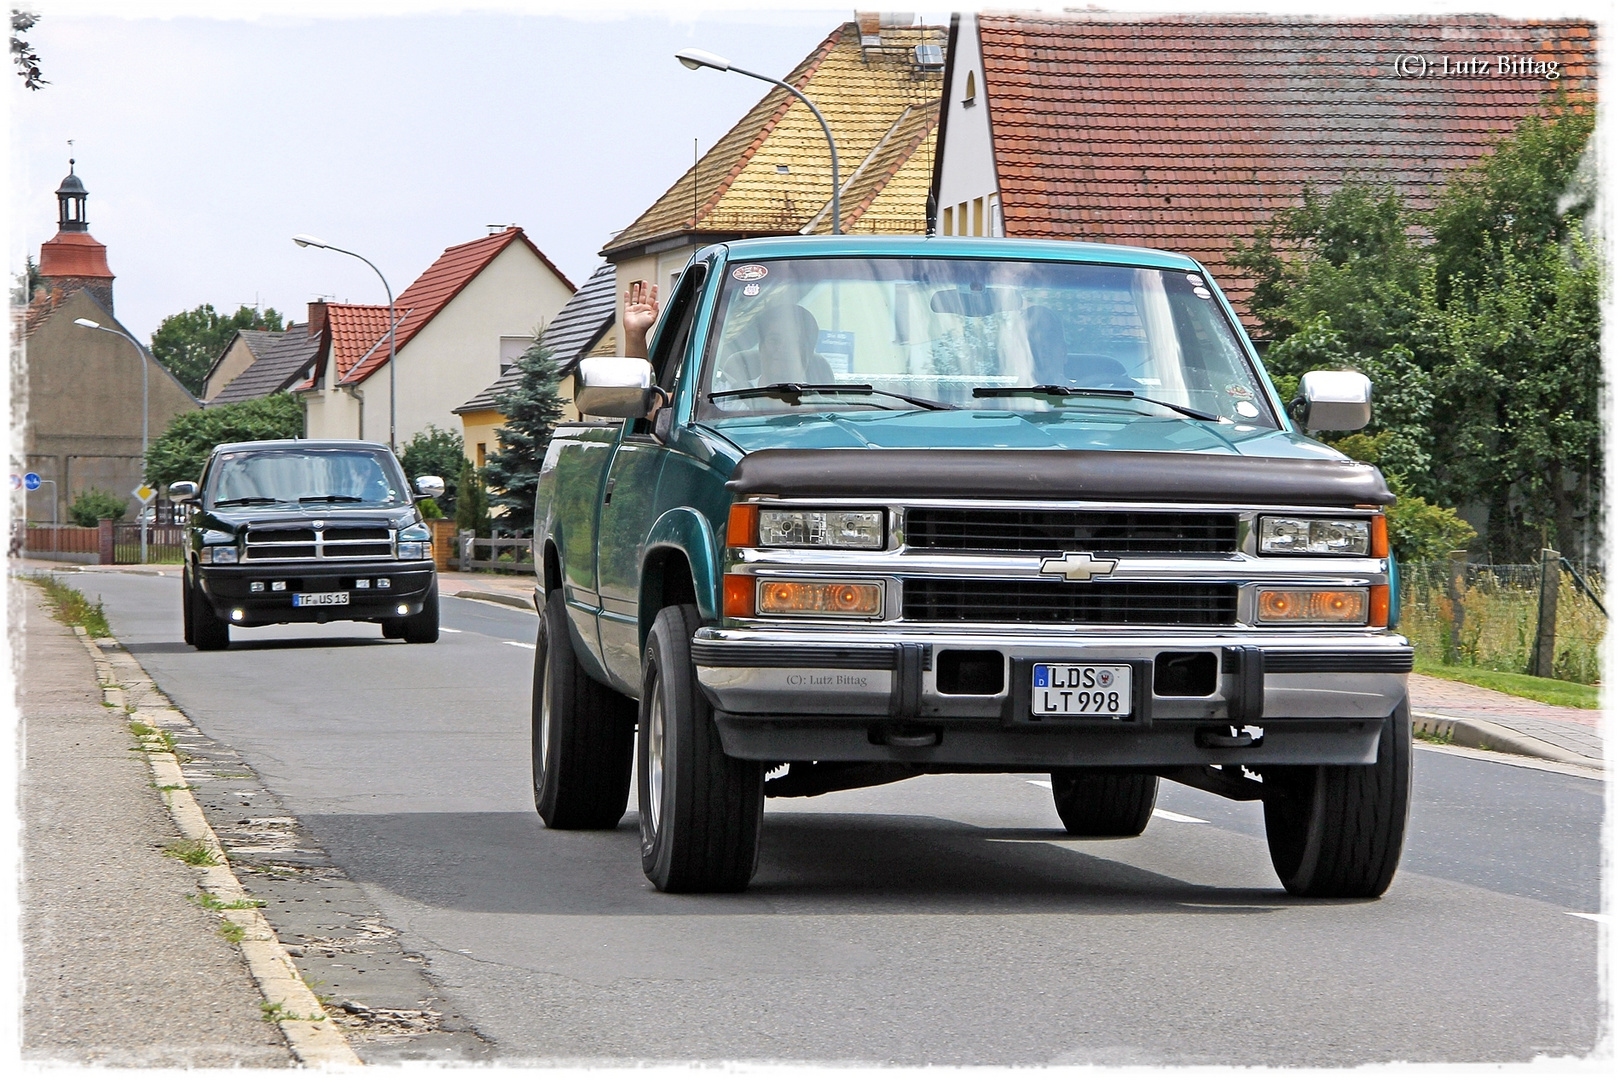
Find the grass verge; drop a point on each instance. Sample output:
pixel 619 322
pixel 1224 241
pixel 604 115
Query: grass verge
pixel 191 852
pixel 70 606
pixel 1548 691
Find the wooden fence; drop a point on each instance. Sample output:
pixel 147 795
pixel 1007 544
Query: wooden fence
pixel 511 554
pixel 49 540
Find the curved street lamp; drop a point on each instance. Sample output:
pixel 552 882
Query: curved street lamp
pixel 304 240
pixel 697 58
pixel 146 414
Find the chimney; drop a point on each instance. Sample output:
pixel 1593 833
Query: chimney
pixel 871 27
pixel 317 316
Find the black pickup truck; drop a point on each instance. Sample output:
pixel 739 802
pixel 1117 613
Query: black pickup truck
pixel 296 530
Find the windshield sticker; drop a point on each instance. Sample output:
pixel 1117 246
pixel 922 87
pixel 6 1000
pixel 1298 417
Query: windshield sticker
pixel 1238 390
pixel 838 348
pixel 751 289
pixel 1246 408
pixel 1202 293
pixel 750 272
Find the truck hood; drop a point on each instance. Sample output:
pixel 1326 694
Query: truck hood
pixel 989 454
pixel 232 519
pixel 985 429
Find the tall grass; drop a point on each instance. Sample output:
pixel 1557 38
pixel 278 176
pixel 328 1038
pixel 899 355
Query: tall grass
pixel 70 606
pixel 1499 612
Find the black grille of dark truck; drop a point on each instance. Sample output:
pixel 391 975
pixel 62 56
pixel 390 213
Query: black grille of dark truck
pixel 331 542
pixel 1150 603
pixel 1124 532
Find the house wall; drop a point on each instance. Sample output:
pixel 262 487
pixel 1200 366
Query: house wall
pixel 664 268
pixel 236 360
pixel 334 413
pixel 969 194
pixel 457 354
pixel 83 426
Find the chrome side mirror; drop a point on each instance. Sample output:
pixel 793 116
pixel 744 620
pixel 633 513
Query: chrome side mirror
pixel 430 487
pixel 1333 401
pixel 616 386
pixel 182 491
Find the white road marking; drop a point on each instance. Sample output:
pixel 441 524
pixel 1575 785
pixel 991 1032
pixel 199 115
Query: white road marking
pixel 519 644
pixel 448 630
pixel 1171 815
pixel 1598 918
pixel 1040 783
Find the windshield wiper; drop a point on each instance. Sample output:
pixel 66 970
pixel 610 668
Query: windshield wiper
pixel 793 390
pixel 1048 390
pixel 247 500
pixel 331 498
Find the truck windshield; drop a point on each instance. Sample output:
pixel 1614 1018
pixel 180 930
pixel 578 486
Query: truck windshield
pixel 340 477
pixel 1007 335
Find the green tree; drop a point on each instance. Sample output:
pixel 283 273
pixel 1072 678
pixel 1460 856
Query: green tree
pixel 532 408
pixel 182 450
pixel 189 343
pixel 472 508
pixel 93 504
pixel 436 452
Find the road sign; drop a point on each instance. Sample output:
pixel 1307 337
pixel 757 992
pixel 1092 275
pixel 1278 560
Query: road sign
pixel 144 494
pixel 31 481
pixel 16 482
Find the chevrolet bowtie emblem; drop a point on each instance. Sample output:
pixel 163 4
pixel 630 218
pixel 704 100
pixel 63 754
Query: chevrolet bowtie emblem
pixel 1078 566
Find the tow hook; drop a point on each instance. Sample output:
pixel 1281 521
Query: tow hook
pixel 1228 737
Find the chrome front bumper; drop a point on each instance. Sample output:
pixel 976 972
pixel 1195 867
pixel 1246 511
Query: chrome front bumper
pixel 872 695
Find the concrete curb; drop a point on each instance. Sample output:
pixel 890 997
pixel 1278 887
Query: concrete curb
pixel 313 1037
pixel 497 598
pixel 1484 735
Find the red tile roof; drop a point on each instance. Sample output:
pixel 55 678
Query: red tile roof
pixel 1187 132
pixel 73 254
pixel 438 285
pixel 353 332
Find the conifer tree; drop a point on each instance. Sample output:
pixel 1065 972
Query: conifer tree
pixel 532 408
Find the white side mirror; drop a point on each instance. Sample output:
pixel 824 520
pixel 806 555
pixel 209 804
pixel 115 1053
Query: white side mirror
pixel 1333 401
pixel 615 386
pixel 182 491
pixel 430 487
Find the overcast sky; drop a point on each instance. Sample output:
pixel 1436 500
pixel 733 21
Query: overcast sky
pixel 209 132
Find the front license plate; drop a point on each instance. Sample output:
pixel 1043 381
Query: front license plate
pixel 320 599
pixel 1080 690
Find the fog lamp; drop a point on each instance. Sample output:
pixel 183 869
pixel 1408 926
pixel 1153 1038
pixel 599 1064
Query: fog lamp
pixel 237 614
pixel 404 609
pixel 1344 606
pixel 841 599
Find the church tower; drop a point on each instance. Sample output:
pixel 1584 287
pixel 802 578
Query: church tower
pixel 73 259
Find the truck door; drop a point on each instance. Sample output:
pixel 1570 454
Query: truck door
pixel 629 500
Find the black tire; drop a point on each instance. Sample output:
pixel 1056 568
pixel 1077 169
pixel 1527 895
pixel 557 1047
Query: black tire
pixel 423 627
pixel 1337 830
pixel 393 628
pixel 185 604
pixel 700 810
pixel 582 734
pixel 1104 802
pixel 209 632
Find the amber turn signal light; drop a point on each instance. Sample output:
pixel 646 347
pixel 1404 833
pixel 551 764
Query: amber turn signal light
pixel 1380 537
pixel 737 600
pixel 1344 606
pixel 1380 605
pixel 742 527
pixel 855 599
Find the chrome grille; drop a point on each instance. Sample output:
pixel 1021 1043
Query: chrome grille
pixel 1120 532
pixel 337 542
pixel 1151 603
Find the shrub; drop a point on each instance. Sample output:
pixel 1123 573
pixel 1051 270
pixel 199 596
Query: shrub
pixel 435 452
pixel 430 510
pixel 93 504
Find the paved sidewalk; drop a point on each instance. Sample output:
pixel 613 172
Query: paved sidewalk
pixel 516 590
pixel 1575 732
pixel 120 967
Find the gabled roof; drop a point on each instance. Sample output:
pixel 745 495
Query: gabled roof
pixel 353 332
pixel 881 107
pixel 1189 131
pixel 582 322
pixel 437 286
pixel 282 358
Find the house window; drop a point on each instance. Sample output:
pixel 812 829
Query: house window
pixel 511 349
pixel 978 217
pixel 997 226
pixel 480 455
pixel 971 92
pixel 950 221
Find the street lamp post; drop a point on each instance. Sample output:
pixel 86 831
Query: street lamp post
pixel 697 58
pixel 304 240
pixel 146 412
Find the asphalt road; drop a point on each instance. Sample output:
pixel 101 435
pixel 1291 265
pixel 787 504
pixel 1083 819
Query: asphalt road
pixel 944 920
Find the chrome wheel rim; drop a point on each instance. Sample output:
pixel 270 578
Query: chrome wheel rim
pixel 655 758
pixel 545 712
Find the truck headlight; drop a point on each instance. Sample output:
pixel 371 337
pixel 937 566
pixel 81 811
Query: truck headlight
pixel 1315 536
pixel 862 529
pixel 1329 606
pixel 415 542
pixel 218 555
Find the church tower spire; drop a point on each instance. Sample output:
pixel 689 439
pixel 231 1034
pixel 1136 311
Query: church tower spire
pixel 73 259
pixel 70 200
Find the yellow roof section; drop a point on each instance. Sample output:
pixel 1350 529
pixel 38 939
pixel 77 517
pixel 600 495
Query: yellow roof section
pixel 771 173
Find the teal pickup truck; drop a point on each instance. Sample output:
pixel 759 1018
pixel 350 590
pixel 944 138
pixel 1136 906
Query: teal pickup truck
pixel 883 506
